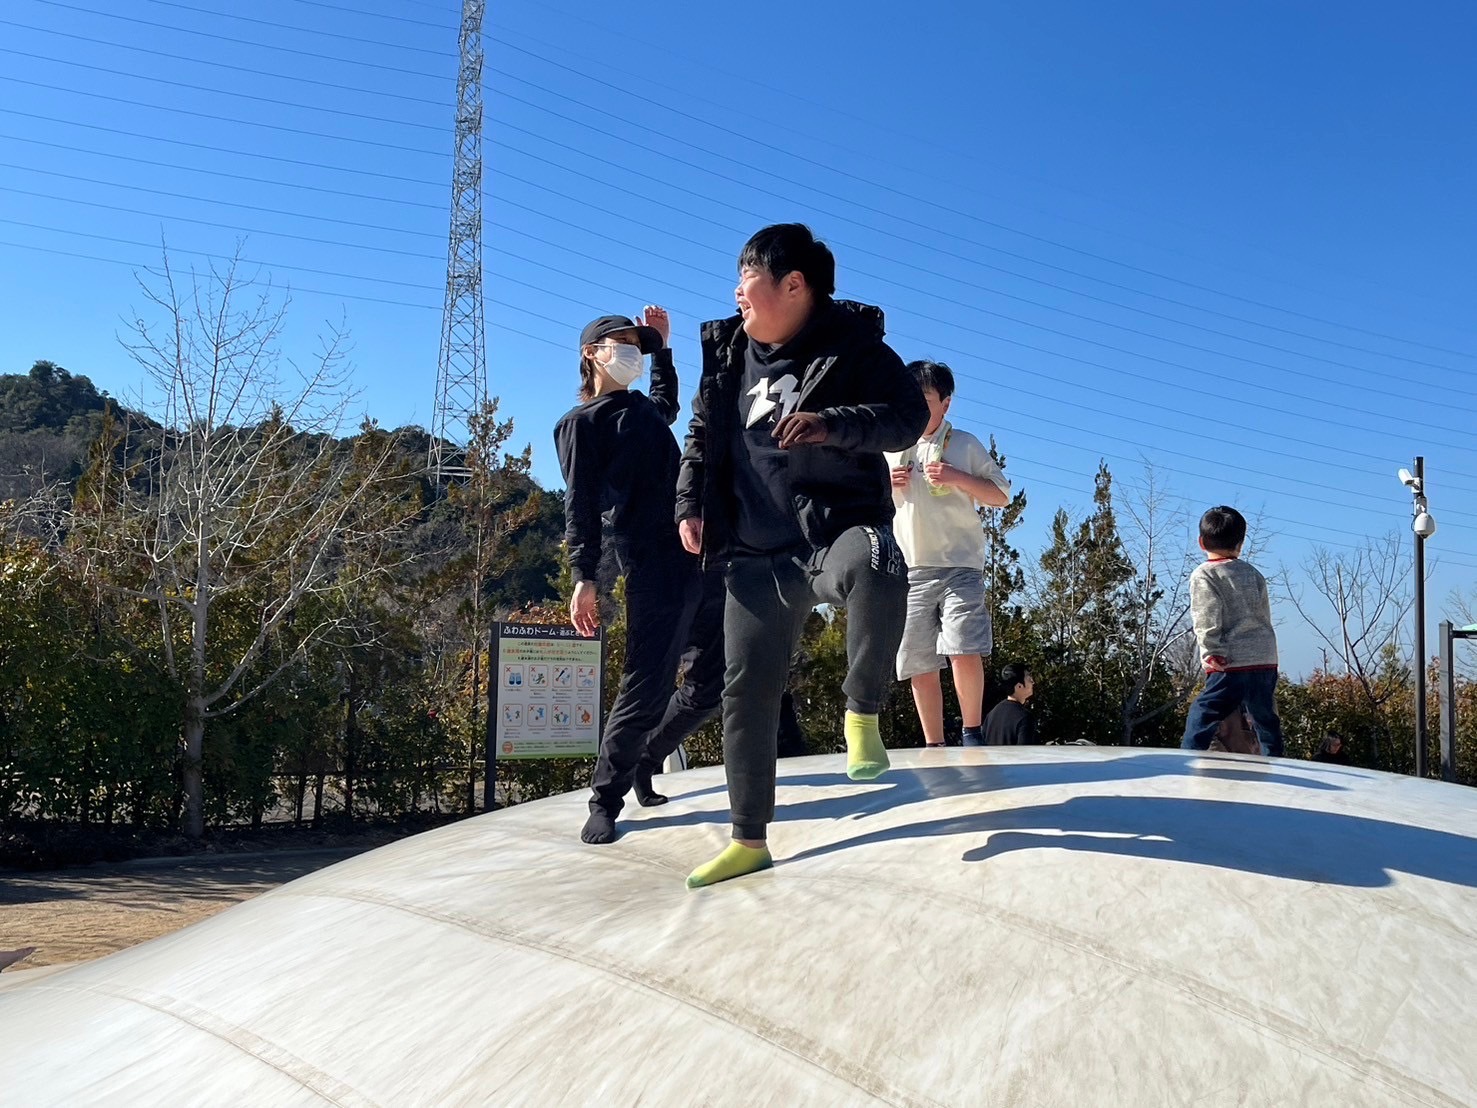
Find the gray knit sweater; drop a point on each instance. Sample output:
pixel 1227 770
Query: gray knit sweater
pixel 1233 615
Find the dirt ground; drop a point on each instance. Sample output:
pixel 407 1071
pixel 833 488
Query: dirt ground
pixel 78 914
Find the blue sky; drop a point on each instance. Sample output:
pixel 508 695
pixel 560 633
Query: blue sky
pixel 1231 241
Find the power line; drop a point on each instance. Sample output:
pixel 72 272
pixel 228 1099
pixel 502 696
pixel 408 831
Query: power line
pixel 375 226
pixel 224 226
pixel 1034 261
pixel 931 343
pixel 132 265
pixel 224 119
pixel 993 291
pixel 1086 431
pixel 656 152
pixel 426 234
pixel 226 92
pixel 298 288
pixel 597 308
pixel 987 334
pixel 222 150
pixel 210 148
pixel 225 203
pixel 240 41
pixel 302 30
pixel 206 254
pixel 255 72
pixel 946 322
pixel 428 307
pixel 1079 386
pixel 749 140
pixel 985 311
pixel 748 79
pixel 445 28
pixel 866 207
pixel 220 173
pixel 1142 490
pixel 969 306
pixel 994 385
pixel 453 12
pixel 1012 273
pixel 427 206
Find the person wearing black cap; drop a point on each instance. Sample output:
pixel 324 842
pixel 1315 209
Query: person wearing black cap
pixel 783 477
pixel 619 461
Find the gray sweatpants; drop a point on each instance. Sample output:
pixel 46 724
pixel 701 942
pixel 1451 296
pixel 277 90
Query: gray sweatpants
pixel 769 598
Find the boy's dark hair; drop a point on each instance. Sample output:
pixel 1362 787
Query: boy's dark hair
pixel 1012 675
pixel 786 247
pixel 933 375
pixel 1222 528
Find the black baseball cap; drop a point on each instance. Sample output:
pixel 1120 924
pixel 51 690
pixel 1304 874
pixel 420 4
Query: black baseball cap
pixel 648 338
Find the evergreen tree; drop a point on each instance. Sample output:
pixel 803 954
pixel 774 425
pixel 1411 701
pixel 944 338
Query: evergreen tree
pixel 1004 578
pixel 1081 610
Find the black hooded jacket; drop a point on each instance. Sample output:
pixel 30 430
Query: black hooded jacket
pixel 853 380
pixel 619 461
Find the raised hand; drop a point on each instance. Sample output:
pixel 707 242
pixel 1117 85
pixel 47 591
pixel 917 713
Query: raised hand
pixel 657 319
pixel 901 475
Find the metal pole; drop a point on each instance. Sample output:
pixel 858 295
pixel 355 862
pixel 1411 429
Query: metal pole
pixel 489 740
pixel 1447 690
pixel 1420 627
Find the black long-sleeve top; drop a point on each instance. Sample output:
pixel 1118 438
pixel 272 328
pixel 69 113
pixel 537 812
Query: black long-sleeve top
pixel 1010 724
pixel 619 461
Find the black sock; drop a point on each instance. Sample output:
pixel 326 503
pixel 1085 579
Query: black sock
pixel 646 796
pixel 599 828
pixel 975 733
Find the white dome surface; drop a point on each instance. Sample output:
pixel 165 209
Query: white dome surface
pixel 1025 926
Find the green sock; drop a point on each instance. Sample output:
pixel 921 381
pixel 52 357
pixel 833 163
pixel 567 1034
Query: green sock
pixel 735 861
pixel 866 757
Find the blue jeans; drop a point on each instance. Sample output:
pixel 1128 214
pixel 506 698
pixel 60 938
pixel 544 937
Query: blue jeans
pixel 1223 694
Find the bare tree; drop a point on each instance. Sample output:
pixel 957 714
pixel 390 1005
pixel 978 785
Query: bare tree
pixel 489 510
pixel 1358 607
pixel 244 518
pixel 1161 664
pixel 1461 609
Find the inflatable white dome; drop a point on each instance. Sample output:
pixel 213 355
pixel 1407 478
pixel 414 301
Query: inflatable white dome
pixel 1026 926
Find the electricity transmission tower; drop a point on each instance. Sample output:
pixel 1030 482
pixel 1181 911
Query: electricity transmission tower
pixel 461 377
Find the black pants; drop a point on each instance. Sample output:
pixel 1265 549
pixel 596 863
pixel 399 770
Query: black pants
pixel 1225 693
pixel 769 598
pixel 662 596
pixel 700 695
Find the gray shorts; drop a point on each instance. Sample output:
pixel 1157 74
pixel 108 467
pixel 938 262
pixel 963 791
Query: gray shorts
pixel 947 617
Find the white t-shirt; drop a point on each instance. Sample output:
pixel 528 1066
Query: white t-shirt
pixel 942 530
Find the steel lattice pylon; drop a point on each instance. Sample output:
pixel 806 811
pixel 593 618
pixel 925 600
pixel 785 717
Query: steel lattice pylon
pixel 461 378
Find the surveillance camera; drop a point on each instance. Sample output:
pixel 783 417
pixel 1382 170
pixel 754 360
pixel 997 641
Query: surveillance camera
pixel 1407 478
pixel 1424 525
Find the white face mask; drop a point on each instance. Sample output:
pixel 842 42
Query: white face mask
pixel 625 363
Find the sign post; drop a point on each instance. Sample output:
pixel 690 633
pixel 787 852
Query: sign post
pixel 546 695
pixel 1447 680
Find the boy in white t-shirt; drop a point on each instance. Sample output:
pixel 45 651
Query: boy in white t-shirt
pixel 936 485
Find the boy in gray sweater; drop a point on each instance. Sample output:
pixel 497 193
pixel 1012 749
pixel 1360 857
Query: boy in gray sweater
pixel 1232 613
